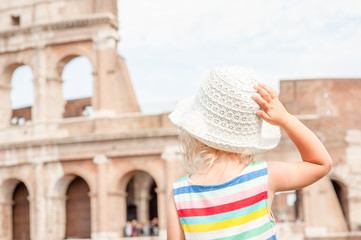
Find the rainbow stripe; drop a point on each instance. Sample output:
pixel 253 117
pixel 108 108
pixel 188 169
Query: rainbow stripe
pixel 237 209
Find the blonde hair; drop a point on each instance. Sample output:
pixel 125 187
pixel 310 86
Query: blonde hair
pixel 199 156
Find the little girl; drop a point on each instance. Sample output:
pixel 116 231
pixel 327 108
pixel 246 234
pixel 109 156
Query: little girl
pixel 227 195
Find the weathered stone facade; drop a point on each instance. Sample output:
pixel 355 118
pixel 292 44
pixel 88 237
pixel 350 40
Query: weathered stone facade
pixel 57 145
pixel 122 157
pixel 331 207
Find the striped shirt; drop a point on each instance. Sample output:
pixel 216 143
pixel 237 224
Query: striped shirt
pixel 237 209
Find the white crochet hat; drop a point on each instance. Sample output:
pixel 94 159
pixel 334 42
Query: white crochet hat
pixel 223 114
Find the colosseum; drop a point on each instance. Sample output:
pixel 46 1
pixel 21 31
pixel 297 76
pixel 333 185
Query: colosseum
pixel 65 174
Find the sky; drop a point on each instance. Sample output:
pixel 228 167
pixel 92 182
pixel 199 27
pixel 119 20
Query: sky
pixel 170 46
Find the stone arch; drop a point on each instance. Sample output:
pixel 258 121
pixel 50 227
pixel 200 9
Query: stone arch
pixel 60 185
pixel 78 209
pixel 128 176
pixel 118 194
pixel 341 191
pixel 121 179
pixel 146 178
pixel 67 55
pixel 341 173
pixel 8 186
pixel 78 70
pixel 21 213
pixel 141 189
pixel 14 61
pixel 5 94
pixel 75 107
pixel 8 72
pixel 78 88
pixel 22 95
pixel 57 196
pixel 7 189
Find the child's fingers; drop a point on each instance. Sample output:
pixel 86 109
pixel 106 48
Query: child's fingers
pixel 270 90
pixel 261 102
pixel 263 92
pixel 263 115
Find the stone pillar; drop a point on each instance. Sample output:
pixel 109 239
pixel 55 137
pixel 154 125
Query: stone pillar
pixel 355 211
pixel 48 100
pixel 113 92
pixel 101 229
pixel 353 153
pixel 117 212
pixel 143 206
pixel 38 206
pixel 5 105
pixel 318 199
pixel 162 212
pixel 172 156
pixel 32 216
pixel 56 217
pixel 127 101
pixel 142 185
pixel 56 200
pixel 6 220
pixel 40 90
pixel 55 106
pixel 103 100
pixel 94 213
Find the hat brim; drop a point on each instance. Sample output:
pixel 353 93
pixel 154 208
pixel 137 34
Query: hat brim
pixel 185 117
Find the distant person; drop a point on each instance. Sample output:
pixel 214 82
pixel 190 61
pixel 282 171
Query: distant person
pixel 128 229
pixel 134 227
pixel 146 229
pixel 227 194
pixel 139 229
pixel 154 227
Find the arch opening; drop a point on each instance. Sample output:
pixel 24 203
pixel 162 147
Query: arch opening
pixel 77 88
pixel 342 193
pixel 287 206
pixel 21 213
pixel 78 220
pixel 21 94
pixel 141 206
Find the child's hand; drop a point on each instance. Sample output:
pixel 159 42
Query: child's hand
pixel 285 176
pixel 272 109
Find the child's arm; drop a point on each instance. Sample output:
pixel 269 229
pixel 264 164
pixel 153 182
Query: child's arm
pixel 174 228
pixel 284 176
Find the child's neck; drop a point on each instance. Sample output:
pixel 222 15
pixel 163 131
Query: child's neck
pixel 220 172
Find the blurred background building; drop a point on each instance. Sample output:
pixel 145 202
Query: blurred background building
pixel 330 208
pixel 90 168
